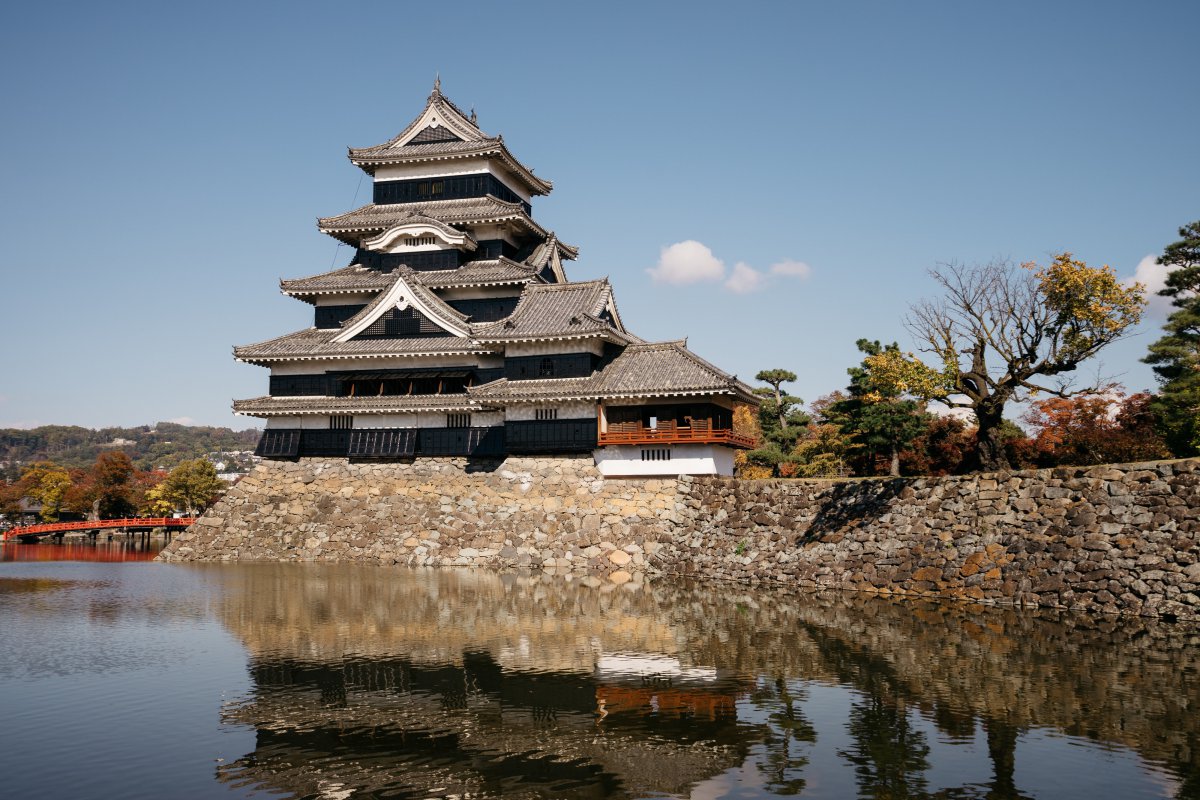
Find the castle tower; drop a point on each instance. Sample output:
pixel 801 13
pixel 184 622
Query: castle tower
pixel 455 332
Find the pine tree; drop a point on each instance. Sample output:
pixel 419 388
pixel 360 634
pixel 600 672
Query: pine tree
pixel 879 419
pixel 1176 356
pixel 780 415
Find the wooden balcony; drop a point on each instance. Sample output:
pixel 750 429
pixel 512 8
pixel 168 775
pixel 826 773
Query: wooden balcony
pixel 668 432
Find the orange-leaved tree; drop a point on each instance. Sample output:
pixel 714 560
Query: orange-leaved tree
pixel 1094 429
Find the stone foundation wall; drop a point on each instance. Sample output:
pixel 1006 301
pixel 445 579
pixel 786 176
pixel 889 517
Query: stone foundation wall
pixel 526 512
pixel 1115 539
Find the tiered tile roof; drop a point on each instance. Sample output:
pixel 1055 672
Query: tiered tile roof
pixel 356 279
pixel 317 343
pixel 500 272
pixel 456 136
pixel 545 312
pixel 466 211
pixel 353 279
pixel 641 370
pixel 545 251
pixel 557 311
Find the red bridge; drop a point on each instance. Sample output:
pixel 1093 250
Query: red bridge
pixel 31 533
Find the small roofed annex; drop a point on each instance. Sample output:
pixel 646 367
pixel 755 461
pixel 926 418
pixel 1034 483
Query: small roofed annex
pixel 455 332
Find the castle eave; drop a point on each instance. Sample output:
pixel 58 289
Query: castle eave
pixel 276 406
pixel 265 360
pixel 370 159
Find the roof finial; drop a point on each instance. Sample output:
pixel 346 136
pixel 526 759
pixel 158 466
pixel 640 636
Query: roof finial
pixel 437 83
pixel 474 121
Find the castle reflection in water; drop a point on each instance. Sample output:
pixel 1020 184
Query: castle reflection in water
pixel 376 682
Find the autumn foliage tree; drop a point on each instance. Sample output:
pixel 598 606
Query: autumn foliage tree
pixel 112 488
pixel 47 484
pixel 191 487
pixel 1094 429
pixel 1002 334
pixel 112 481
pixel 945 447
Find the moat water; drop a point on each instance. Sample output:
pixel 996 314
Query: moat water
pixel 122 678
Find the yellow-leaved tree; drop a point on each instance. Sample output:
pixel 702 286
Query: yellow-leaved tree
pixel 46 483
pixel 1002 333
pixel 191 487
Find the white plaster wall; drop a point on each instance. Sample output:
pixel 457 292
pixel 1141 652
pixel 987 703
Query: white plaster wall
pixel 344 299
pixel 385 420
pixel 686 459
pixel 550 348
pixel 479 292
pixel 308 422
pixel 431 419
pixel 432 169
pixel 569 410
pixel 491 360
pixel 481 232
pixel 487 419
pixel 417 419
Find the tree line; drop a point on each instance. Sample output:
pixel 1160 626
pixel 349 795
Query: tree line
pixel 111 488
pixel 161 446
pixel 999 335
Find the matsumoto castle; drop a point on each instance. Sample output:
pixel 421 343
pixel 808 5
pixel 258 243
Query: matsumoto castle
pixel 455 332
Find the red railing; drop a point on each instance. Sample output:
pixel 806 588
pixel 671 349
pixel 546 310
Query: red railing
pixel 85 525
pixel 669 433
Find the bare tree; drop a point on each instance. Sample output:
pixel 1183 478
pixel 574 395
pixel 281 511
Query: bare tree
pixel 1003 333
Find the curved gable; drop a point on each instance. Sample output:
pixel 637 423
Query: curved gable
pixel 403 296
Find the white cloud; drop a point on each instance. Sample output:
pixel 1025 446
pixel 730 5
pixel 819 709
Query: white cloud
pixel 687 262
pixel 791 269
pixel 744 279
pixel 183 421
pixel 693 262
pixel 1153 275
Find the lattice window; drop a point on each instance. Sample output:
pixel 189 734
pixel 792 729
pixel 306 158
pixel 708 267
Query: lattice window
pixel 546 368
pixel 432 134
pixel 545 413
pixel 341 422
pixel 383 443
pixel 458 420
pixel 420 241
pixel 398 323
pixel 278 444
pixel 431 188
pixel 657 454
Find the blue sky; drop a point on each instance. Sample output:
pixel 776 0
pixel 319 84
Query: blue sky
pixel 163 164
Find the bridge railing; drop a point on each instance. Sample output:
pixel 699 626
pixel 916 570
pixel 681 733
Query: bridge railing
pixel 99 524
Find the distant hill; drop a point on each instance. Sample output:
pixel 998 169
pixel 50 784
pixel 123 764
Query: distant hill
pixel 163 445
